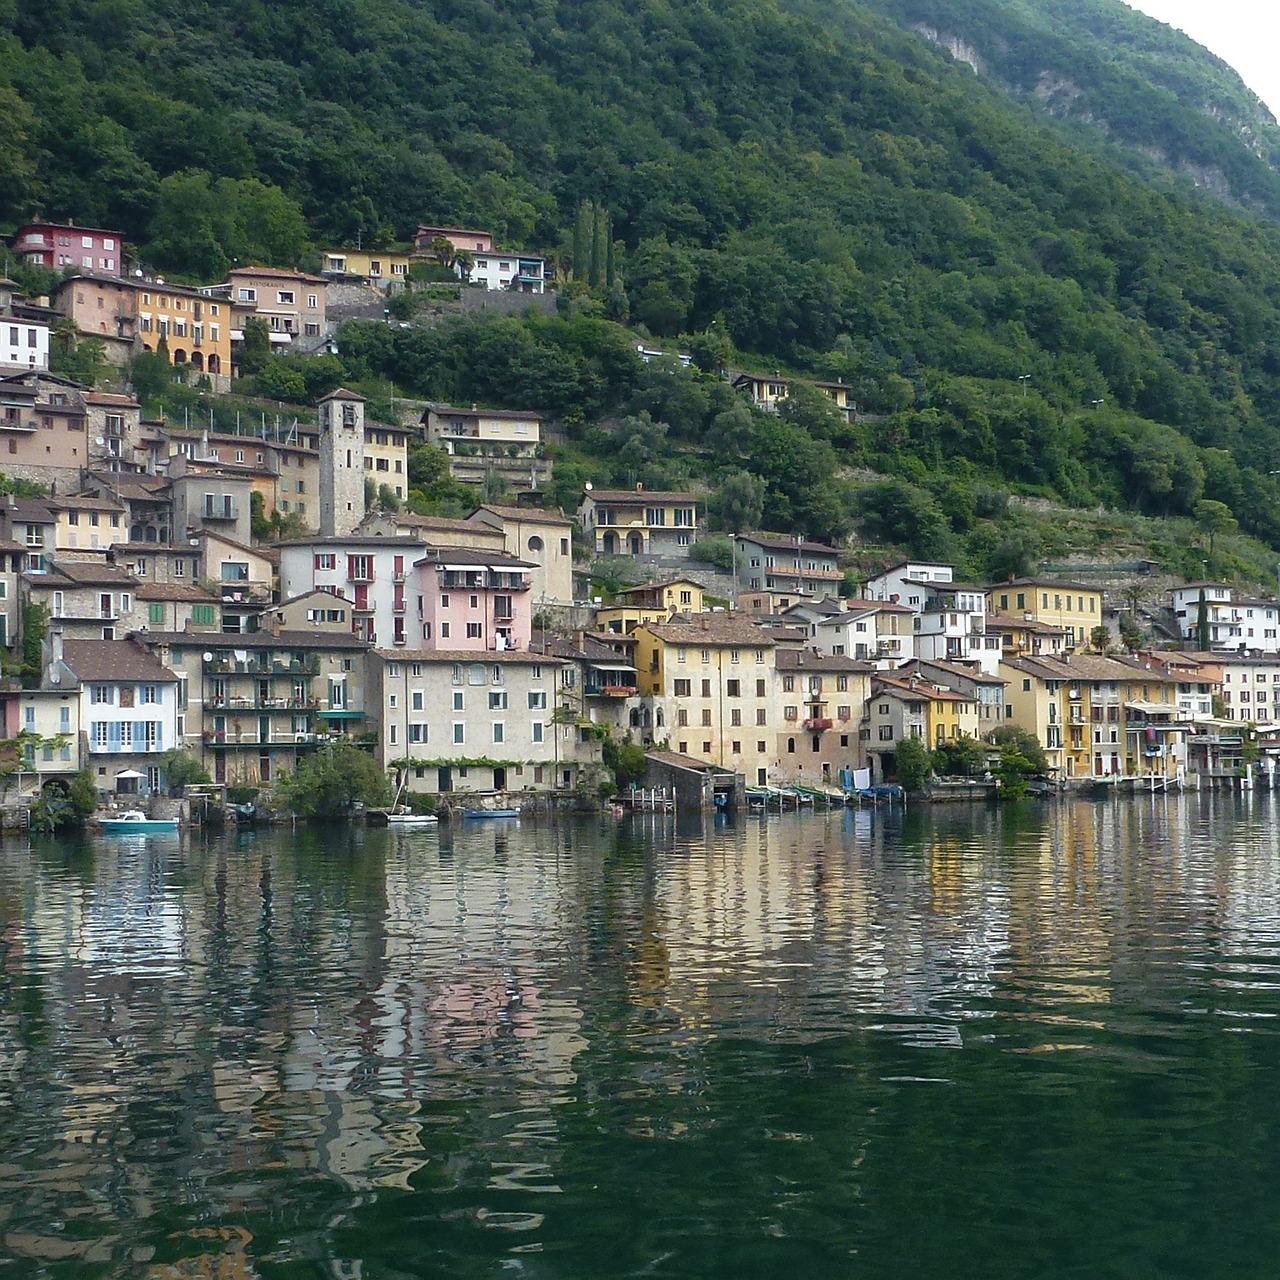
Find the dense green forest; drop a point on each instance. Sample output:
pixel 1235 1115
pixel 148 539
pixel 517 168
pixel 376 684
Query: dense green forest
pixel 799 184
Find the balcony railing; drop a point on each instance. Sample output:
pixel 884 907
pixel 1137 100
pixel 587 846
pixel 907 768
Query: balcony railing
pixel 600 690
pixel 308 666
pixel 263 704
pixel 820 722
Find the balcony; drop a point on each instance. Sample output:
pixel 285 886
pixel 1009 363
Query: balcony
pixel 225 510
pixel 309 666
pixel 607 690
pixel 818 723
pixel 263 704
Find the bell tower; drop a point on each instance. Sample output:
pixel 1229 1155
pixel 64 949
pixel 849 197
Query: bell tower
pixel 341 462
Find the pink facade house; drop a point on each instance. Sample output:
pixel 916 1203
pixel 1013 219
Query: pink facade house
pixel 474 601
pixel 58 246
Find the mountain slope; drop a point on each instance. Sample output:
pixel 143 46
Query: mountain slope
pixel 1137 81
pixel 805 178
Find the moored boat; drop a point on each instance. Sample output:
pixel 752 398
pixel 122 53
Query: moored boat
pixel 407 818
pixel 135 822
pixel 490 813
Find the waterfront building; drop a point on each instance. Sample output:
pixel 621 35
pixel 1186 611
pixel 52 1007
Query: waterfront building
pixel 467 721
pixel 822 699
pixel 709 680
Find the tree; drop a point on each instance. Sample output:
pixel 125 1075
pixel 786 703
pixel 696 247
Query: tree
pixel 912 763
pixel 1100 639
pixel 329 784
pixel 1202 623
pixel 1215 518
pixel 35 627
pixel 255 350
pixel 1012 772
pixel 182 769
pixel 736 504
pixel 961 757
pixel 1027 745
pixel 625 760
pixel 83 360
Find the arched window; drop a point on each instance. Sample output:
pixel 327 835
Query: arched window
pixel 791 746
pixel 535 543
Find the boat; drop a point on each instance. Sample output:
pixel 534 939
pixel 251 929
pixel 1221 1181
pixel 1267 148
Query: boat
pixel 407 818
pixel 490 813
pixel 135 822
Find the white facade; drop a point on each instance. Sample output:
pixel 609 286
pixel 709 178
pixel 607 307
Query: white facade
pixel 1241 625
pixel 520 272
pixel 905 583
pixel 1251 690
pixel 24 344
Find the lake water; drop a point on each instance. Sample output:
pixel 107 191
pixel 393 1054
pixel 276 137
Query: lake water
pixel 1033 1043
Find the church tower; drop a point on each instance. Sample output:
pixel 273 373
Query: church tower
pixel 341 462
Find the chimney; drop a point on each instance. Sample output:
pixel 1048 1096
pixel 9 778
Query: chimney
pixel 639 488
pixel 55 645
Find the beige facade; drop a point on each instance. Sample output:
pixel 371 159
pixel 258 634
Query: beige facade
pixel 634 522
pixel 386 456
pixel 543 538
pixel 380 267
pixel 711 685
pixel 44 428
pixel 436 713
pixel 821 701
pixel 290 303
pixel 86 523
pixel 481 442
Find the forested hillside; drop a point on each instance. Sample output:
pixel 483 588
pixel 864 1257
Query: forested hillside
pixel 804 183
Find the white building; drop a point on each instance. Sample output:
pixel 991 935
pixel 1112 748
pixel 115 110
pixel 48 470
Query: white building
pixel 518 272
pixel 1235 624
pixel 24 344
pixel 951 627
pixel 128 708
pixel 905 583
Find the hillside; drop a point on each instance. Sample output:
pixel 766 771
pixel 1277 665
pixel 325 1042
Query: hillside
pixel 1119 74
pixel 799 184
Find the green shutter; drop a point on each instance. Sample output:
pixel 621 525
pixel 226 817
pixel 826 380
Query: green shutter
pixel 155 613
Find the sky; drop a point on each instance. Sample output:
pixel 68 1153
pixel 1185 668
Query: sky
pixel 1244 33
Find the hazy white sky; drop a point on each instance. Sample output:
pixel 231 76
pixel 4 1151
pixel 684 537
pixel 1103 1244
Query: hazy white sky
pixel 1245 33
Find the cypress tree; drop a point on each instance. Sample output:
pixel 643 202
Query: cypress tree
pixel 580 242
pixel 609 276
pixel 597 247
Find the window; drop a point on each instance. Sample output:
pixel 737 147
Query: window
pixel 459 731
pixel 150 695
pixel 102 694
pixel 202 614
pixel 682 688
pixel 537 730
pixel 284 297
pixel 537 700
pixel 499 731
pixel 498 701
pixel 473 631
pixel 886 733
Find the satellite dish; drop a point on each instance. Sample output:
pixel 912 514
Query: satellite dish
pixel 588 486
pixel 208 657
pixel 99 441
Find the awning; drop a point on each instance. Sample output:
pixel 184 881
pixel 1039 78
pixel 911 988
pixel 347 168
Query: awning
pixel 340 715
pixel 128 773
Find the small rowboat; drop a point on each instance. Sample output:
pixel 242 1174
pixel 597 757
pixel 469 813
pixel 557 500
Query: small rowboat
pixel 490 813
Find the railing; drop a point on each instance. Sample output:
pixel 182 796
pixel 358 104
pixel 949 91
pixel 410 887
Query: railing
pixel 820 722
pixel 610 690
pixel 264 667
pixel 263 704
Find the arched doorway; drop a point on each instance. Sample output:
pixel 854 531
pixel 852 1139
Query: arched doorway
pixel 197 361
pixel 637 544
pixel 610 544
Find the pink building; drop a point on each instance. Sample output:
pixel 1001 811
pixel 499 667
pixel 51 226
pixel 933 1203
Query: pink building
pixel 459 237
pixel 57 246
pixel 474 600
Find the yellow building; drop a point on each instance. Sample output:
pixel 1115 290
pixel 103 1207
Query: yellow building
pixel 639 521
pixel 711 681
pixel 1072 608
pixel 1100 717
pixel 650 602
pixel 386 456
pixel 380 268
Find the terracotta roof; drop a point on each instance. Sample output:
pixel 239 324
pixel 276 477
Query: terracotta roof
pixel 807 660
pixel 276 273
pixel 473 411
pixel 256 640
pixel 110 398
pixel 88 573
pixel 1090 667
pixel 1043 582
pixel 525 513
pixel 678 761
pixel 1009 622
pixel 640 497
pixel 504 657
pixel 710 629
pixel 113 661
pixel 440 556
pixel 956 669
pixel 923 689
pixel 780 542
pixel 341 393
pixel 80 502
pixel 174 591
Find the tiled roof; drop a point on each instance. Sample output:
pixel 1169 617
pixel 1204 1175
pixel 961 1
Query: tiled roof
pixel 807 660
pixel 114 661
pixel 710 629
pixel 179 591
pixel 521 415
pixel 256 640
pixel 525 513
pixel 780 542
pixel 640 497
pixel 503 657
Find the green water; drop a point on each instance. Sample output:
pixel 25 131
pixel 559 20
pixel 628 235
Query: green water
pixel 1041 1043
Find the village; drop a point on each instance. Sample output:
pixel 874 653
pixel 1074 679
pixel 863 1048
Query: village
pixel 471 656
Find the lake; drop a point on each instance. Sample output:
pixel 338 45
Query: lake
pixel 1038 1042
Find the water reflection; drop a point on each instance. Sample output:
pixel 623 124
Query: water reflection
pixel 648 1046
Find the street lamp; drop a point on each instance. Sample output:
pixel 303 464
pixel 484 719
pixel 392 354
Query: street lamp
pixel 1024 378
pixel 1094 404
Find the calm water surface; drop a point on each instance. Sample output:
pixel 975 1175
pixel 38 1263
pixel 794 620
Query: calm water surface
pixel 1039 1043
